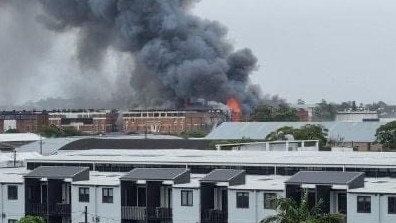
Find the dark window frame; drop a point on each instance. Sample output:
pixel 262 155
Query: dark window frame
pixel 107 195
pixel 392 205
pixel 83 194
pixel 12 221
pixel 268 200
pixel 363 204
pixel 242 200
pixel 187 198
pixel 12 192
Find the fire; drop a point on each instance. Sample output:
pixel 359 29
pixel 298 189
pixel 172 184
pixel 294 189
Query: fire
pixel 233 105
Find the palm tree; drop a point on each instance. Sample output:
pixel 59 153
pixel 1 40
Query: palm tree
pixel 289 211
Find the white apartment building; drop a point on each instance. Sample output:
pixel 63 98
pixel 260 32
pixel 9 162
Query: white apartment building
pixel 156 186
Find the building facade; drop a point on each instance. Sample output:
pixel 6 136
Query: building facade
pixel 23 121
pixel 171 121
pixel 181 186
pixel 90 122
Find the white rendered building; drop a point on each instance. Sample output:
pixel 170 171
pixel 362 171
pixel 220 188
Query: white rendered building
pixel 164 186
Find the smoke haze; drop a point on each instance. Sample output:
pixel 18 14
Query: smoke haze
pixel 143 53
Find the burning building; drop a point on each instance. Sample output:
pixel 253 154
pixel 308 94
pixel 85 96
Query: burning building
pixel 171 121
pixel 87 121
pixel 23 121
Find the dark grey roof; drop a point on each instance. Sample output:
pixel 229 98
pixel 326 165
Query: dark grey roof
pixel 57 172
pixel 233 177
pixel 125 143
pixel 178 175
pixel 325 178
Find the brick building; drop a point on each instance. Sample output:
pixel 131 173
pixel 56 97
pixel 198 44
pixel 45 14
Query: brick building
pixel 23 121
pixel 171 121
pixel 87 121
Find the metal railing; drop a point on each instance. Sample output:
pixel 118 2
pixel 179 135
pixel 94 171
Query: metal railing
pixel 143 213
pixel 42 209
pixel 214 216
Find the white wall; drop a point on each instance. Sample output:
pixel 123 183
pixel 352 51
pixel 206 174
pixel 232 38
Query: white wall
pixel 184 214
pixel 107 212
pixel 255 212
pixel 354 217
pixel 13 209
pixel 379 210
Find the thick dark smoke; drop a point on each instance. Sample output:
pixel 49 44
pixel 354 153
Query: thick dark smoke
pixel 175 54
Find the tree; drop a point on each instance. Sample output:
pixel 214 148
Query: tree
pixel 267 113
pixel 306 132
pixel 289 211
pixel 53 131
pixel 12 131
pixel 325 111
pixel 386 135
pixel 31 219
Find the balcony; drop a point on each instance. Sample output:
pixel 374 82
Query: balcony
pixel 36 209
pixel 133 213
pixel 214 216
pixel 143 213
pixel 41 209
pixel 63 210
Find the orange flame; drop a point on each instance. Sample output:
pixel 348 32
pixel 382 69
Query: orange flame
pixel 233 105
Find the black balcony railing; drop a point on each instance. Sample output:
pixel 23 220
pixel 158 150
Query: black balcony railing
pixel 36 209
pixel 159 213
pixel 63 210
pixel 133 213
pixel 143 213
pixel 42 209
pixel 214 216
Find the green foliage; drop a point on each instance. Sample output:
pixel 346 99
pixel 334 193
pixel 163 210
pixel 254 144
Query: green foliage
pixel 267 113
pixel 289 211
pixel 53 131
pixel 31 219
pixel 12 131
pixel 386 135
pixel 325 111
pixel 306 132
pixel 192 134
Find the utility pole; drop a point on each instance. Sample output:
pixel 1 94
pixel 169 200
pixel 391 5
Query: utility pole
pixel 41 145
pixel 14 158
pixel 86 214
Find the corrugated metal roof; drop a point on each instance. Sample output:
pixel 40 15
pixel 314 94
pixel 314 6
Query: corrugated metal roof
pixel 56 172
pixel 222 175
pixel 324 177
pixel 349 131
pixel 155 174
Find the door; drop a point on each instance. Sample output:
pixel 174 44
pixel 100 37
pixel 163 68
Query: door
pixel 342 203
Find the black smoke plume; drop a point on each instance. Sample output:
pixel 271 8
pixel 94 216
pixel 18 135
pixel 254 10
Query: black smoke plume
pixel 175 54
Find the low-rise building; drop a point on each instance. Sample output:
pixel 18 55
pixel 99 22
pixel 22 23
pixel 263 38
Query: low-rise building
pixel 171 121
pixel 23 121
pixel 198 186
pixel 87 121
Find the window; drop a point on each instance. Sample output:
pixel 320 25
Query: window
pixel 12 221
pixel 364 204
pixel 242 200
pixel 107 195
pixel 83 194
pixel 12 192
pixel 391 205
pixel 186 198
pixel 269 200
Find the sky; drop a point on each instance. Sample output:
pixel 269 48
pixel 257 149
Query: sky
pixel 338 50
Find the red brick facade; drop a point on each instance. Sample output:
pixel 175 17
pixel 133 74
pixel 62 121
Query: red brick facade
pixel 170 122
pixel 88 122
pixel 26 121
